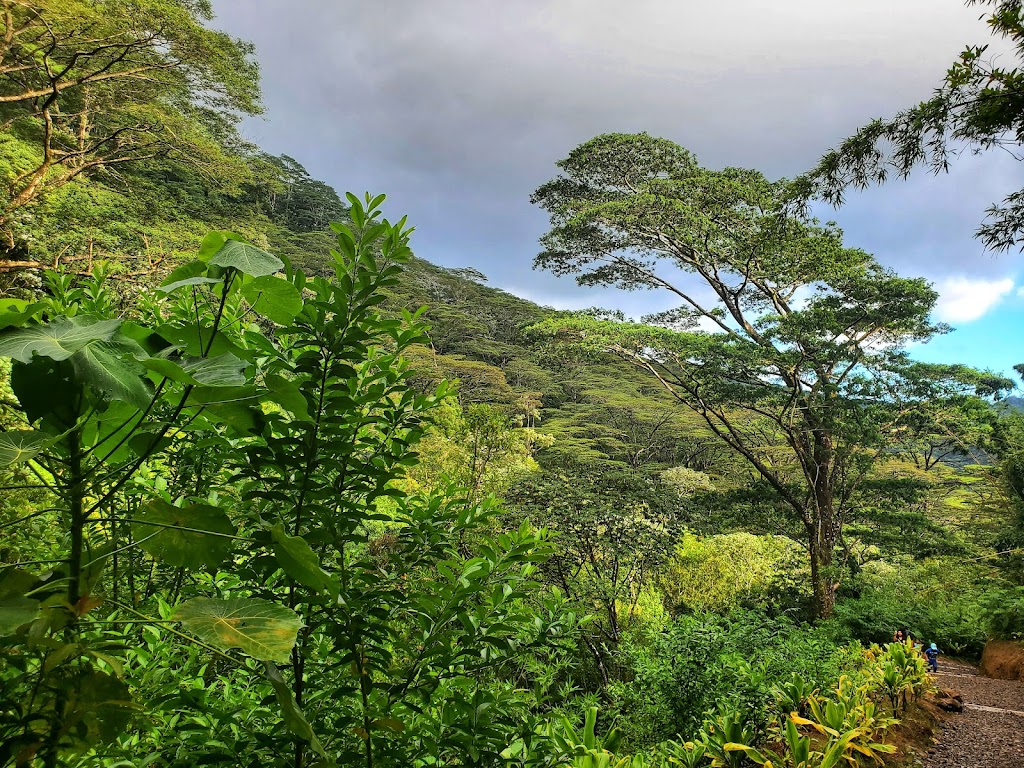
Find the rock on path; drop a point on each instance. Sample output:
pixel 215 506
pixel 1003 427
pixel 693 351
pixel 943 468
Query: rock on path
pixel 989 733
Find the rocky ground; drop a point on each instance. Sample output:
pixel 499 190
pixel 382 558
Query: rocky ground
pixel 989 733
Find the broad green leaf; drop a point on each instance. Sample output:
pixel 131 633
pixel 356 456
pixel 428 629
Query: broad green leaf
pixel 247 259
pixel 288 395
pixel 274 298
pixel 13 305
pixel 194 341
pixel 99 708
pixel 193 273
pixel 171 287
pixel 292 715
pixel 15 582
pixel 192 537
pixel 237 407
pixel 58 340
pixel 15 312
pixel 108 428
pixel 111 370
pixel 48 391
pixel 298 560
pixel 16 612
pixel 150 342
pixel 224 370
pixel 264 630
pixel 247 395
pixel 168 369
pixel 213 242
pixel 21 445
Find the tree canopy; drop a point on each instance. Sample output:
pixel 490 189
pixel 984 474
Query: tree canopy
pixel 88 87
pixel 979 105
pixel 807 336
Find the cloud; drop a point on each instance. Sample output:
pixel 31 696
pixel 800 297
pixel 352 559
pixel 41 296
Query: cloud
pixel 458 110
pixel 964 299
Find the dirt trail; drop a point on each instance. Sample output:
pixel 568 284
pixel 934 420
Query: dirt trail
pixel 989 733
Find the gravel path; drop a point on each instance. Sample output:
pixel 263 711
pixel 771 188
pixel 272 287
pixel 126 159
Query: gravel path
pixel 984 735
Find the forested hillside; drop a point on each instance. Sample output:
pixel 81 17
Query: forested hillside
pixel 275 491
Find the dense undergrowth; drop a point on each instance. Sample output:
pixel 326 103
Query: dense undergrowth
pixel 222 546
pixel 294 497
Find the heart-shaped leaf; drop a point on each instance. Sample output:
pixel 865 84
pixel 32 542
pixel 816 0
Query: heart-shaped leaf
pixel 224 370
pixel 200 280
pixel 193 273
pixel 260 628
pixel 274 298
pixel 247 259
pixel 18 446
pixel 192 537
pixel 112 371
pixel 58 340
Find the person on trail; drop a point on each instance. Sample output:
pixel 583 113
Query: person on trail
pixel 932 654
pixel 897 636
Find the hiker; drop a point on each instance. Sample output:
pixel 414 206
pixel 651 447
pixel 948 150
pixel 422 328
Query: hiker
pixel 897 636
pixel 932 654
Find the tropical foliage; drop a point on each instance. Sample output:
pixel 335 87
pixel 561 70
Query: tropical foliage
pixel 276 492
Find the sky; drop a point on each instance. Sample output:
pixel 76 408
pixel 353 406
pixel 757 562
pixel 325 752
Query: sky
pixel 459 109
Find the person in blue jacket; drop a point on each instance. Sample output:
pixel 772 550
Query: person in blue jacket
pixel 932 654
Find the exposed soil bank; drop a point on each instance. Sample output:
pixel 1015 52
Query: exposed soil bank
pixel 1003 660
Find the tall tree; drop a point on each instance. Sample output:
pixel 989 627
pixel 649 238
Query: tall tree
pixel 978 105
pixel 86 87
pixel 804 374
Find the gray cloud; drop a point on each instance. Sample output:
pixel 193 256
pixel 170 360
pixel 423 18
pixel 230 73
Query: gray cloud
pixel 458 109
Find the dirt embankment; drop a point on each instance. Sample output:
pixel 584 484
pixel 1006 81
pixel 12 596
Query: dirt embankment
pixel 1003 660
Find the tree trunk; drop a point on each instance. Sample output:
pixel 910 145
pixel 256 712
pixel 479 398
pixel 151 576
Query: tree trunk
pixel 823 529
pixel 822 537
pixel 824 588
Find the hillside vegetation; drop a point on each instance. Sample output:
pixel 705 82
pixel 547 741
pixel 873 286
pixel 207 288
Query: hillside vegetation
pixel 275 491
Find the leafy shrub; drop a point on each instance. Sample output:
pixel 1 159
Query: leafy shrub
pixel 703 663
pixel 735 570
pixel 899 671
pixel 1005 610
pixel 939 600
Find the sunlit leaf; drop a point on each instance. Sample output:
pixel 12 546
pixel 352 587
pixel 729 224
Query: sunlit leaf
pixel 274 298
pixel 224 370
pixel 111 370
pixel 288 395
pixel 58 340
pixel 193 273
pixel 18 446
pixel 260 628
pixel 200 280
pixel 247 259
pixel 15 312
